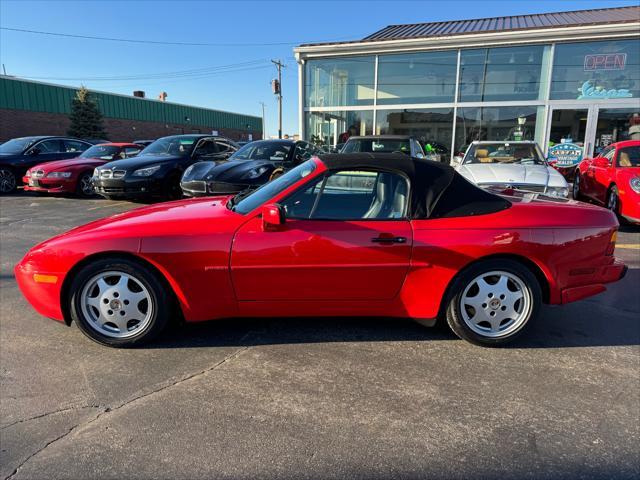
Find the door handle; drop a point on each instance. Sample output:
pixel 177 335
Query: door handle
pixel 389 239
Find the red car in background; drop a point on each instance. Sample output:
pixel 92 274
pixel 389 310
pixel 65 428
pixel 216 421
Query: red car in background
pixel 74 175
pixel 612 179
pixel 340 235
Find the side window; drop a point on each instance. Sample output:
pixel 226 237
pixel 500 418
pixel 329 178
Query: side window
pixel 131 151
pixel 71 146
pixel 205 148
pixel 351 195
pixel 224 147
pixel 49 146
pixel 610 154
pixel 417 146
pixel 303 152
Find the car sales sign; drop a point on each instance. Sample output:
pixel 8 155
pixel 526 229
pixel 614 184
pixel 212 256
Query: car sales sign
pixel 565 154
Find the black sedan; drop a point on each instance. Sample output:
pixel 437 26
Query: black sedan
pixel 157 170
pixel 20 154
pixel 253 165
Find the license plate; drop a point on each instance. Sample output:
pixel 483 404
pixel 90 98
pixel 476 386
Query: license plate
pixel 33 183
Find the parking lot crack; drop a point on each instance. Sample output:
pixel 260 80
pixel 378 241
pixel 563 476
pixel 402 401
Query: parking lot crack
pixel 106 410
pixel 46 414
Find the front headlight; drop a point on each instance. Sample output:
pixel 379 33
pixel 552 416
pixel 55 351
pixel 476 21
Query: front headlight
pixel 634 183
pixel 256 172
pixel 59 175
pixel 558 192
pixel 147 171
pixel 27 173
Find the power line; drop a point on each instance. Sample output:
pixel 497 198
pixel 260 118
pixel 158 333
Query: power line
pixel 157 42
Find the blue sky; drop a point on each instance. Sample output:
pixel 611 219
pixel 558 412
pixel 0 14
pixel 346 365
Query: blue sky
pixel 272 28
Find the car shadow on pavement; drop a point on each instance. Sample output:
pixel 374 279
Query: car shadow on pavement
pixel 598 322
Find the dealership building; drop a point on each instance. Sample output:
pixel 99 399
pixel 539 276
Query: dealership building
pixel 568 80
pixel 36 108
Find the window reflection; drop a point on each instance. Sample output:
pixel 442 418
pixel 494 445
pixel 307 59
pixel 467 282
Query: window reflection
pixel 332 129
pixel 339 82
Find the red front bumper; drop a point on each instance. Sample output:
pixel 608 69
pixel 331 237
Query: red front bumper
pixel 40 289
pixel 51 185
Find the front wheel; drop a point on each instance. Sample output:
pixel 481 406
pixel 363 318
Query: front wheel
pixel 613 201
pixel 576 186
pixel 492 302
pixel 118 302
pixel 7 180
pixel 85 186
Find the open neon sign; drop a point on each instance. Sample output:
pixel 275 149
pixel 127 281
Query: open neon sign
pixel 608 61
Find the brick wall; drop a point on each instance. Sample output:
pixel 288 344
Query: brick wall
pixel 23 123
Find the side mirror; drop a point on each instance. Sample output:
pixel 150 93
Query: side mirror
pixel 601 162
pixel 272 217
pixel 34 151
pixel 456 161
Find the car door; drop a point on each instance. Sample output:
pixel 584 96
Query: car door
pixel 600 174
pixel 346 237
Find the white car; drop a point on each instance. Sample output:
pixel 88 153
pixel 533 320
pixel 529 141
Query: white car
pixel 517 165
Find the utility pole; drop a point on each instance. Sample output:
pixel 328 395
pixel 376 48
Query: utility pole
pixel 277 89
pixel 264 129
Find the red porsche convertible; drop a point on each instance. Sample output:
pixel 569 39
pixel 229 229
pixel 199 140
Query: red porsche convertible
pixel 612 179
pixel 339 235
pixel 74 174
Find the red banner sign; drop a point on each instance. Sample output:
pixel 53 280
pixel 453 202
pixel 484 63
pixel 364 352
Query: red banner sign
pixel 605 61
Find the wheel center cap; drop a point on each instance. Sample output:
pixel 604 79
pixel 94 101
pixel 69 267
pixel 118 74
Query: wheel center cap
pixel 115 304
pixel 494 303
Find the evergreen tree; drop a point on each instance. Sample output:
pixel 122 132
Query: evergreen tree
pixel 85 116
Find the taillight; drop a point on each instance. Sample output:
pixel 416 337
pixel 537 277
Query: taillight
pixel 612 243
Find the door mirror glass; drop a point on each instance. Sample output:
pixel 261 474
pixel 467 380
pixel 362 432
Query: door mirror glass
pixel 272 217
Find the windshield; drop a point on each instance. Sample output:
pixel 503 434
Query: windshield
pixel 504 152
pixel 245 202
pixel 180 146
pixel 377 145
pixel 17 145
pixel 629 157
pixel 273 151
pixel 103 152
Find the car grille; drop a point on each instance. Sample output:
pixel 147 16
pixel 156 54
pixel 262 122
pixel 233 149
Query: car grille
pixel 112 173
pixel 223 187
pixel 195 186
pixel 37 174
pixel 516 186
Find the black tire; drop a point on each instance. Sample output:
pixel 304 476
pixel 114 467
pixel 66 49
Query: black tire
pixel 454 314
pixel 160 303
pixel 172 189
pixel 576 193
pixel 80 190
pixel 8 181
pixel 613 200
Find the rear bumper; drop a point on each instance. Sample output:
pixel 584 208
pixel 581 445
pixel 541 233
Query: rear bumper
pixel 596 283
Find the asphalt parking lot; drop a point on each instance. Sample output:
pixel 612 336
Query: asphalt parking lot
pixel 322 398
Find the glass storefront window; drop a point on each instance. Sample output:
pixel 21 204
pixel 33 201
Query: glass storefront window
pixel 596 70
pixel 432 127
pixel 339 82
pixel 494 123
pixel 616 125
pixel 332 129
pixel 417 78
pixel 492 74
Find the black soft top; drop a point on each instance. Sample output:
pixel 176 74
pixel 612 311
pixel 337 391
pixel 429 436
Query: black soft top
pixel 437 190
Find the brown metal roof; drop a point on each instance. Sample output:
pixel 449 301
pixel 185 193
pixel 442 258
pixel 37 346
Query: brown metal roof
pixel 487 25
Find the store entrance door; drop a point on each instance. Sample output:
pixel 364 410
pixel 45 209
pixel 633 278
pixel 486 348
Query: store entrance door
pixel 615 125
pixel 571 136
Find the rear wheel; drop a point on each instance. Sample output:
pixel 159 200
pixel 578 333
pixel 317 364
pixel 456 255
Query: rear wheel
pixel 7 180
pixel 172 189
pixel 118 302
pixel 492 302
pixel 85 186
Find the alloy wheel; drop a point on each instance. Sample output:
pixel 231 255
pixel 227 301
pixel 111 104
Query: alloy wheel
pixel 7 181
pixel 576 186
pixel 116 304
pixel 612 201
pixel 496 304
pixel 86 187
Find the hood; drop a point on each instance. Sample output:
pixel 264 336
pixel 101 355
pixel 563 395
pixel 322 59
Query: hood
pixel 226 171
pixel 202 215
pixel 141 161
pixel 488 173
pixel 72 163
